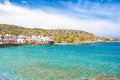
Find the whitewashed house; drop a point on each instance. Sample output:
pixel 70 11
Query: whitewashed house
pixel 5 39
pixel 50 38
pixel 46 39
pixel 1 39
pixel 43 39
pixel 34 39
pixel 39 39
pixel 8 38
pixel 21 39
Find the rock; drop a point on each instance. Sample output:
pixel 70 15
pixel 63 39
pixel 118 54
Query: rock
pixel 100 79
pixel 84 79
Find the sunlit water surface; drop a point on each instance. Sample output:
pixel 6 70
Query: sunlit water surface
pixel 60 62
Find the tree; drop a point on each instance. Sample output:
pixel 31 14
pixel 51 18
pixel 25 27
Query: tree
pixel 70 39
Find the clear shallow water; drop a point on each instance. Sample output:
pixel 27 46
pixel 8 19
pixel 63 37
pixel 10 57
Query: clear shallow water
pixel 60 62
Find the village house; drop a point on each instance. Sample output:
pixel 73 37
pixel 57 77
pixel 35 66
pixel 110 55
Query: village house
pixel 44 39
pixel 40 39
pixel 34 38
pixel 21 39
pixel 8 38
pixel 50 38
pixel 1 39
pixel 5 39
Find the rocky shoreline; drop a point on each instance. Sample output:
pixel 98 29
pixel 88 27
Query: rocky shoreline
pixel 9 45
pixel 55 44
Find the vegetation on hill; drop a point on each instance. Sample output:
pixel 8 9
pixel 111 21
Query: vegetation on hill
pixel 57 34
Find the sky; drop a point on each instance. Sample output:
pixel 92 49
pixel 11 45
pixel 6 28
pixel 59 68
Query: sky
pixel 100 17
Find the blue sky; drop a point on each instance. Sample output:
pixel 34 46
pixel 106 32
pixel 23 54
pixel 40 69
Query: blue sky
pixel 101 17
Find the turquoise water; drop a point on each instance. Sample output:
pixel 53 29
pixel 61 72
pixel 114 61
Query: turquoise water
pixel 60 62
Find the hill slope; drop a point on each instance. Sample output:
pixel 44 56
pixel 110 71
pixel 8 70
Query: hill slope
pixel 58 34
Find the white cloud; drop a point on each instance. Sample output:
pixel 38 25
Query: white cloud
pixel 95 9
pixel 25 2
pixel 12 14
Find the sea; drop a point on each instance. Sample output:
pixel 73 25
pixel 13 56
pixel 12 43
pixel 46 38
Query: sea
pixel 61 62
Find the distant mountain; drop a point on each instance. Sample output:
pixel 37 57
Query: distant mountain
pixel 57 34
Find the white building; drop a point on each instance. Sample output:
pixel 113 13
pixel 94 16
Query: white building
pixel 33 38
pixel 21 39
pixel 7 38
pixel 1 39
pixel 49 38
pixel 43 39
pixel 40 39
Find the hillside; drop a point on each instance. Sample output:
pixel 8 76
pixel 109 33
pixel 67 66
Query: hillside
pixel 57 34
